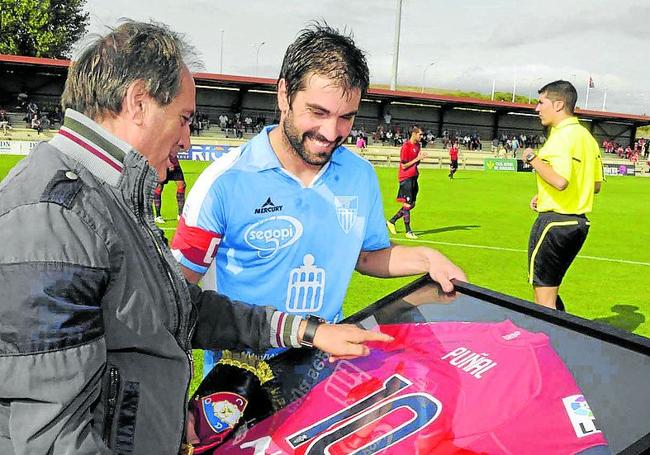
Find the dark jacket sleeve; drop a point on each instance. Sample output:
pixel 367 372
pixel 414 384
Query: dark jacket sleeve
pixel 52 348
pixel 226 324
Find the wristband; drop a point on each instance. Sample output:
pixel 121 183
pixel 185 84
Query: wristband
pixel 310 331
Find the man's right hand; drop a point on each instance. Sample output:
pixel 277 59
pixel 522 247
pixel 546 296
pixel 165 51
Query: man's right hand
pixel 533 203
pixel 344 341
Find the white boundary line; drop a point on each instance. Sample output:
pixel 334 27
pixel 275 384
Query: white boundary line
pixel 517 250
pixel 499 248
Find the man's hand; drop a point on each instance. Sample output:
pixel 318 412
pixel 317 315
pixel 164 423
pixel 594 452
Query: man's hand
pixel 343 341
pixel 443 271
pixel 400 260
pixel 533 203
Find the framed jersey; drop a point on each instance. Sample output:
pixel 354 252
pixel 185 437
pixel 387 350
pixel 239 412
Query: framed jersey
pixel 479 372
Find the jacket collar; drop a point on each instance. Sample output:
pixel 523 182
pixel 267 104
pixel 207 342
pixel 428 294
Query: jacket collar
pixel 99 151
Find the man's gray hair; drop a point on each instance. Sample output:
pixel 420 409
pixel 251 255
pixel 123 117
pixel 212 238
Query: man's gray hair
pixel 98 80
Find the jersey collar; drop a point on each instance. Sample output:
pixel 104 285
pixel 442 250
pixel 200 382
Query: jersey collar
pixel 567 121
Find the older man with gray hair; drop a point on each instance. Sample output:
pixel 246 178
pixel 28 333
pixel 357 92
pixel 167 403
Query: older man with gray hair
pixel 97 321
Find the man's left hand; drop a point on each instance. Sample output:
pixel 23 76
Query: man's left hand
pixel 443 271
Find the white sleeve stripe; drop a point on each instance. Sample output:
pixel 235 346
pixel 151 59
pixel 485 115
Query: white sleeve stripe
pixel 294 332
pixel 205 181
pixel 349 152
pixel 275 319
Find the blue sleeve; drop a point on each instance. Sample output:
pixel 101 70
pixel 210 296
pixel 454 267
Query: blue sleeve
pixel 212 213
pixel 202 225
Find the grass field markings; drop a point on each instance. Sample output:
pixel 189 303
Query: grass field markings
pixel 496 248
pixel 518 250
pixel 622 261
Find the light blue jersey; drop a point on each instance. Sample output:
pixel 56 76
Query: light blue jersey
pixel 278 242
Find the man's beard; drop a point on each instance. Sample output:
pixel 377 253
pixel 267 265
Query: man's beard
pixel 297 142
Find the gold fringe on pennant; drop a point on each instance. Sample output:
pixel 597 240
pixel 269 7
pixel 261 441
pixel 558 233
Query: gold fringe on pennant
pixel 248 362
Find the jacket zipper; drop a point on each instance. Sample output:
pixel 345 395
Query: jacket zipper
pixel 111 403
pixel 188 352
pixel 143 221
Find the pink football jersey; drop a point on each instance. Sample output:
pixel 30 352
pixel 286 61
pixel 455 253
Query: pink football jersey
pixel 438 388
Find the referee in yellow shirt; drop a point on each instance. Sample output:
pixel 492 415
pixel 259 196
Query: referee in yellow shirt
pixel 569 173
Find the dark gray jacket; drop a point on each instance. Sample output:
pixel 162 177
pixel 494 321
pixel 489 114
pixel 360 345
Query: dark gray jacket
pixel 96 320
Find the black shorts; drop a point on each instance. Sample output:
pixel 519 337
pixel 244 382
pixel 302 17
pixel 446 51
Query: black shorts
pixel 408 190
pixel 554 242
pixel 454 164
pixel 175 174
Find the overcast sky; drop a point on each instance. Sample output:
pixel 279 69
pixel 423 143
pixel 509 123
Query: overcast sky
pixel 472 42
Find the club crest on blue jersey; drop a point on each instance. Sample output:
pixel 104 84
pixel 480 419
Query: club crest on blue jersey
pixel 222 410
pixel 347 208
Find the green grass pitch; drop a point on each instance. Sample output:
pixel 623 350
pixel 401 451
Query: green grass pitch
pixel 481 221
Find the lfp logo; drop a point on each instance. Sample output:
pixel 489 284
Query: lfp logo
pixel 580 414
pixel 272 234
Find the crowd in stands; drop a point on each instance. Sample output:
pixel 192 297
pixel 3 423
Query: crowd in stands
pixel 469 141
pixel 641 149
pixel 199 123
pixel 508 144
pixel 5 122
pixel 237 124
pixel 41 119
pixel 396 135
pixel 358 137
pixel 36 117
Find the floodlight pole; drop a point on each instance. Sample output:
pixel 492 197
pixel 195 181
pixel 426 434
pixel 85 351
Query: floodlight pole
pixel 494 85
pixel 530 91
pixel 257 54
pixel 221 54
pixel 424 73
pixel 398 21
